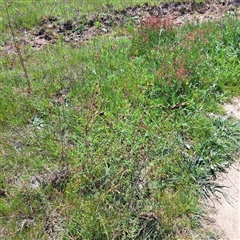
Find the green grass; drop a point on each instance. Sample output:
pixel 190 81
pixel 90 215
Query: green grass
pixel 115 138
pixel 26 14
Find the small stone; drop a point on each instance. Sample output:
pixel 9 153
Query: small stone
pixel 49 26
pixel 105 30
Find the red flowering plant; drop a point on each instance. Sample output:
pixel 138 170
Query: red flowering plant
pixel 151 30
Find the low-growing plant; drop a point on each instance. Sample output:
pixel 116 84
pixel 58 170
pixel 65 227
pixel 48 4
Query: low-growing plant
pixel 116 139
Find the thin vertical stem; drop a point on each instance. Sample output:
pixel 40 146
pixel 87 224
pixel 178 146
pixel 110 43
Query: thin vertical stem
pixel 17 48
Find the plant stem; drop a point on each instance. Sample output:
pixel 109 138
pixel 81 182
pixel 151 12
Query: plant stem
pixel 17 48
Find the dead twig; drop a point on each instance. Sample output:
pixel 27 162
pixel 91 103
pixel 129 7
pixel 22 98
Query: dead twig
pixel 17 48
pixel 179 105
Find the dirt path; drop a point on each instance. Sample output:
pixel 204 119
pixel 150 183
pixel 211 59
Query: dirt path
pixel 224 216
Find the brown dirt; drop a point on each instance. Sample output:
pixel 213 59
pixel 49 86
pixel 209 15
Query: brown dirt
pixel 224 215
pixel 86 27
pixel 233 108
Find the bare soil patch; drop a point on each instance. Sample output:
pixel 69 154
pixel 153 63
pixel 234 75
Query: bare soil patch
pixel 233 108
pixel 87 26
pixel 224 214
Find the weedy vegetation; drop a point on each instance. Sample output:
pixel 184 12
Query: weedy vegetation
pixel 118 138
